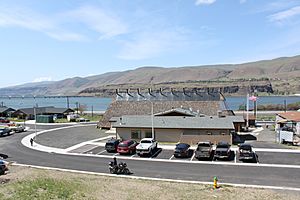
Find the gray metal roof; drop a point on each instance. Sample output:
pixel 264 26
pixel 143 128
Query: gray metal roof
pixel 207 122
pixel 45 110
pixel 6 109
pixel 183 111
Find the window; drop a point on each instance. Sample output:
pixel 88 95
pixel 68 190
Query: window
pixel 135 134
pixel 148 134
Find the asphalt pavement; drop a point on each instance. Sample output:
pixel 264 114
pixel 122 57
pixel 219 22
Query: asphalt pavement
pixel 255 175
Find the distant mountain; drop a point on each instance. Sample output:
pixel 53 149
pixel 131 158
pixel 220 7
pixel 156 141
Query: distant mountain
pixel 280 69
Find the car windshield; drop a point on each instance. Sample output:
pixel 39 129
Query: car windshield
pixel 145 141
pixel 222 146
pixel 246 148
pixel 204 145
pixel 181 146
pixel 123 145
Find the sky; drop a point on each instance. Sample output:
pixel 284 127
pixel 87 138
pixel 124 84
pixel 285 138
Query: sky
pixel 53 40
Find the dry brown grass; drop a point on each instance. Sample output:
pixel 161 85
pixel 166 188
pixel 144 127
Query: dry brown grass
pixel 101 187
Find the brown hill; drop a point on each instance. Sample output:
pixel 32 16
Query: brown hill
pixel 285 69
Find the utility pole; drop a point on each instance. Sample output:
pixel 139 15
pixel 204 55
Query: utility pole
pixel 152 119
pixel 68 103
pixel 92 111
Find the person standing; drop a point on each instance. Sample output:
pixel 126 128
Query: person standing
pixel 31 141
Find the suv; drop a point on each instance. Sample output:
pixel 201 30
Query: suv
pixel 222 151
pixel 183 150
pixel 3 167
pixel 127 147
pixel 246 153
pixel 146 146
pixel 112 145
pixel 204 150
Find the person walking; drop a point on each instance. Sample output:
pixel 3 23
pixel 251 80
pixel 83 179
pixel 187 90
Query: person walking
pixel 31 141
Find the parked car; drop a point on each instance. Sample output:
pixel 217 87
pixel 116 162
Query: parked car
pixel 17 128
pixel 246 153
pixel 183 150
pixel 4 131
pixel 204 150
pixel 146 146
pixel 127 147
pixel 112 145
pixel 222 151
pixel 3 167
pixel 4 120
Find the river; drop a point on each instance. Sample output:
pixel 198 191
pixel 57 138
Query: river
pixel 101 104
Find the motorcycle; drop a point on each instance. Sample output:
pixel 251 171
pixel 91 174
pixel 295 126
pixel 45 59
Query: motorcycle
pixel 121 168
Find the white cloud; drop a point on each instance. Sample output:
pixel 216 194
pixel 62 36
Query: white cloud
pixel 204 2
pixel 41 79
pixel 25 18
pixel 59 26
pixel 285 15
pixel 103 22
pixel 151 44
pixel 243 1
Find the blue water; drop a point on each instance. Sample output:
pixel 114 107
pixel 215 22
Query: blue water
pixel 234 102
pixel 101 104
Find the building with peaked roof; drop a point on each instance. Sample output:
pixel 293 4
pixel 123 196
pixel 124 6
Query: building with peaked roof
pixel 178 128
pixel 289 121
pixel 5 111
pixel 28 113
pixel 196 101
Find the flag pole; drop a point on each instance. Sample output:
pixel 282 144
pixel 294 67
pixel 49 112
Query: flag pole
pixel 247 113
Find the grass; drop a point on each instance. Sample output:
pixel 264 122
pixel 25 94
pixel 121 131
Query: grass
pixel 28 183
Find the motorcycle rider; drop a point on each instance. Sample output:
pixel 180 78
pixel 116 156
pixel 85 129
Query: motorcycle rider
pixel 115 161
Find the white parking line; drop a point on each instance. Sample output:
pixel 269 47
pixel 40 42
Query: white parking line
pixel 132 156
pixel 171 157
pixel 235 156
pixel 101 152
pixel 193 157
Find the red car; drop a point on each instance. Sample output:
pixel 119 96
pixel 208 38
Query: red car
pixel 4 120
pixel 127 147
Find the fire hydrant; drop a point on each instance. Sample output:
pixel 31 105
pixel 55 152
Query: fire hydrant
pixel 215 182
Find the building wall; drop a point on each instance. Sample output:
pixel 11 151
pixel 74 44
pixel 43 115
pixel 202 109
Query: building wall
pixel 179 135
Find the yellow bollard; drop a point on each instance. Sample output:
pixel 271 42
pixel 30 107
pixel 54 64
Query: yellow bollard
pixel 215 182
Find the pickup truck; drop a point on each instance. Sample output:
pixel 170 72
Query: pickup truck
pixel 146 146
pixel 222 151
pixel 204 150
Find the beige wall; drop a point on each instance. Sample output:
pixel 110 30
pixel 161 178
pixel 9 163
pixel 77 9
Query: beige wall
pixel 176 135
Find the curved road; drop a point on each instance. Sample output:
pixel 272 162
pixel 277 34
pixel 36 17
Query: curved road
pixel 252 175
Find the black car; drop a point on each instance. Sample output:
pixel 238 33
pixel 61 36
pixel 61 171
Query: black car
pixel 3 167
pixel 246 153
pixel 222 151
pixel 183 150
pixel 112 145
pixel 4 131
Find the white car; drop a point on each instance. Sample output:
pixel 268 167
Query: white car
pixel 147 146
